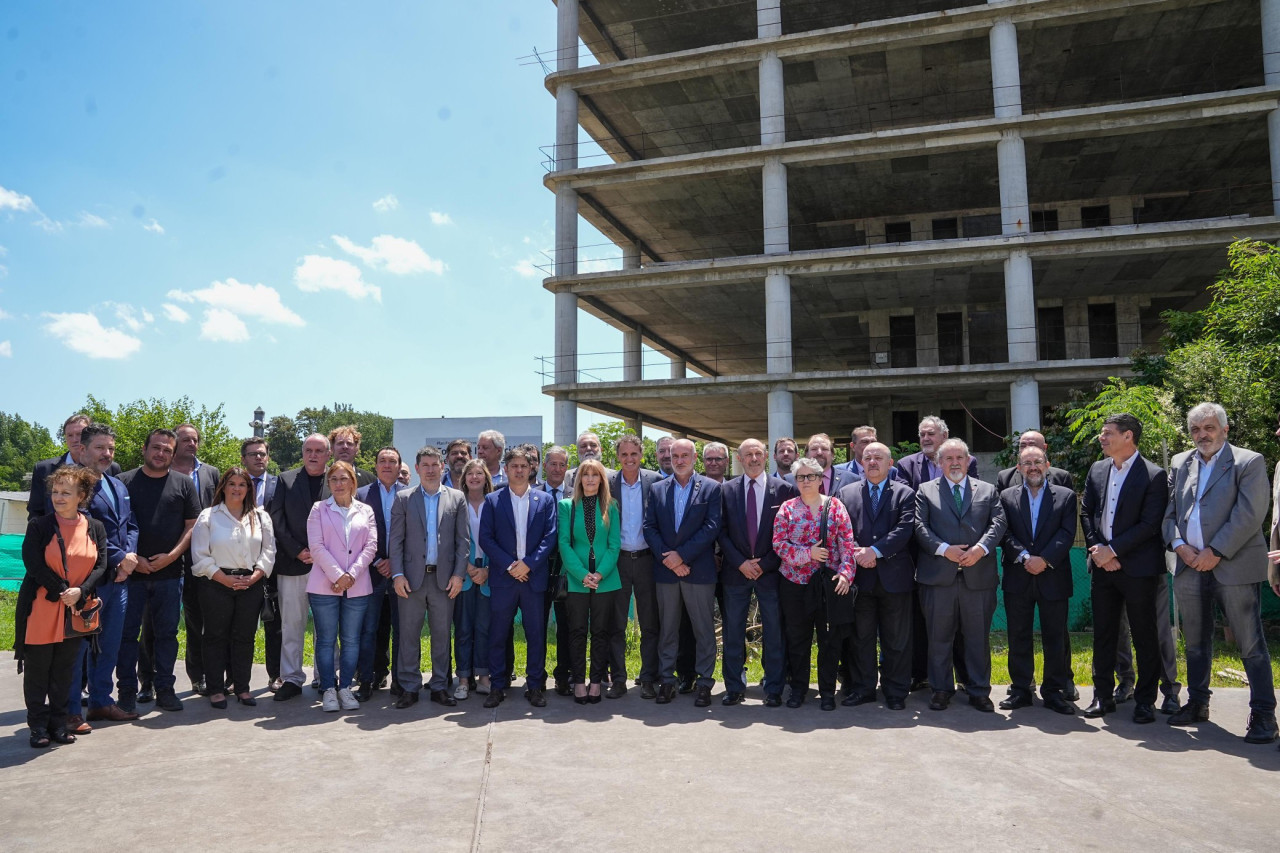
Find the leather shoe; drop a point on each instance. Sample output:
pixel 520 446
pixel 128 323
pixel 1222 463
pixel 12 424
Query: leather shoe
pixel 1124 692
pixel 733 698
pixel 855 699
pixel 167 700
pixel 61 736
pixel 1061 705
pixel 443 697
pixel 666 693
pixel 1144 713
pixel 773 700
pixel 617 690
pixel 396 691
pixel 1262 728
pixel 1099 708
pixel 287 691
pixel 919 684
pixel 982 703
pixel 1016 701
pixel 686 685
pixel 939 700
pixel 1071 694
pixel 146 694
pixel 406 699
pixel 112 713
pixel 647 690
pixel 563 688
pixel 1170 704
pixel 77 726
pixel 795 699
pixel 895 704
pixel 364 692
pixel 535 697
pixel 703 699
pixel 1189 714
pixel 828 703
pixel 495 697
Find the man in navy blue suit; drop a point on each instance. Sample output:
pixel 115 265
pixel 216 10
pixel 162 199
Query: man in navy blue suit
pixel 254 455
pixel 380 495
pixel 750 565
pixel 681 524
pixel 834 478
pixel 518 534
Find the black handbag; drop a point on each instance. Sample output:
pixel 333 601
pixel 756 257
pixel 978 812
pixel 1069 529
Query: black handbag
pixel 837 609
pixel 87 621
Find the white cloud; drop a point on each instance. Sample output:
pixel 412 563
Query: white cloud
pixel 526 269
pixel 4 315
pixel 88 220
pixel 438 218
pixel 220 325
pixel 136 320
pixel 49 226
pixel 387 203
pixel 83 333
pixel 395 254
pixel 317 273
pixel 246 300
pixel 4 271
pixel 154 227
pixel 6 349
pixel 10 200
pixel 174 313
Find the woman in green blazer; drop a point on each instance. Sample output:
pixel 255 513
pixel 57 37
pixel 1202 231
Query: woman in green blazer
pixel 590 532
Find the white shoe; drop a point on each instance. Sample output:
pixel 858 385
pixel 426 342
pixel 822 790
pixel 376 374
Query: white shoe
pixel 483 685
pixel 329 702
pixel 460 692
pixel 347 700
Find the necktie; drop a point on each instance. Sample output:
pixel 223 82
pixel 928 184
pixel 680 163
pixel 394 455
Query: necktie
pixel 257 490
pixel 555 493
pixel 753 514
pixel 958 494
pixel 875 497
pixel 822 484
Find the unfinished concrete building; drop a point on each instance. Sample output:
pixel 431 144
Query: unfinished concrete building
pixel 834 213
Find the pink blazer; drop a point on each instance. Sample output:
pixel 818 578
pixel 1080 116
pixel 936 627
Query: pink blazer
pixel 332 557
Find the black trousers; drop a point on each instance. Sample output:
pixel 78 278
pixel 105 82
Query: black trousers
pixel 230 625
pixel 382 652
pixel 271 632
pixel 193 617
pixel 637 577
pixel 564 648
pixel 46 675
pixel 878 612
pixel 1110 593
pixel 1020 611
pixel 594 613
pixel 801 623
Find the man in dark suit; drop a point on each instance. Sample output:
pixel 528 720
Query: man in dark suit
pixel 785 454
pixel 1121 514
pixel 205 478
pixel 374 661
pixel 254 455
pixel 518 534
pixel 1013 476
pixel 883 514
pixel 859 439
pixel 750 565
pixel 833 479
pixel 296 492
pixel 556 485
pixel 38 501
pixel 959 523
pixel 1037 573
pixel 681 524
pixel 1213 523
pixel 631 487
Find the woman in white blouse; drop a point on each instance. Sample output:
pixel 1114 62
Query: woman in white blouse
pixel 233 547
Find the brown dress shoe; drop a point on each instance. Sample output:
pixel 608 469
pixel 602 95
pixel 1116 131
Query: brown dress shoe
pixel 112 713
pixel 77 726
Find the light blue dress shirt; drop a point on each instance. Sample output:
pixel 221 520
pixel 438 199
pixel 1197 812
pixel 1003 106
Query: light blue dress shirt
pixel 681 495
pixel 431 504
pixel 632 499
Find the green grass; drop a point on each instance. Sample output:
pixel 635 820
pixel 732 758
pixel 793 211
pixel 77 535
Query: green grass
pixel 1226 656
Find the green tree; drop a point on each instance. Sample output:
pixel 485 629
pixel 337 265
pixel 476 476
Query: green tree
pixel 22 445
pixel 285 443
pixel 1153 406
pixel 132 421
pixel 375 429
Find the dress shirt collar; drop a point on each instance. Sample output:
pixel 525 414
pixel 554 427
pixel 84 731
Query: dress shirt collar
pixel 1124 466
pixel 1212 460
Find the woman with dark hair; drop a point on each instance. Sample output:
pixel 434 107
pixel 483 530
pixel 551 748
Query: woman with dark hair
pixel 590 533
pixel 471 609
pixel 233 547
pixel 65 555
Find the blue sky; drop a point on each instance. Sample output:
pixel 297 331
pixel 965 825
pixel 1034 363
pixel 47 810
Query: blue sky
pixel 277 204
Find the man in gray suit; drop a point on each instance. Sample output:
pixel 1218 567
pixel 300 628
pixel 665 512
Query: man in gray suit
pixel 430 544
pixel 1217 507
pixel 959 522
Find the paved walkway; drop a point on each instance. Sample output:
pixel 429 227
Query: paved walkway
pixel 630 775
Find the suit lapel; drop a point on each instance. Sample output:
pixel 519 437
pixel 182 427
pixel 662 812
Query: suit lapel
pixel 1225 462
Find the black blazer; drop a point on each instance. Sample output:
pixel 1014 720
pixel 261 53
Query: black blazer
pixel 1139 516
pixel 40 577
pixel 733 530
pixel 38 502
pixel 1055 531
pixel 891 530
pixel 914 470
pixel 371 495
pixel 1055 476
pixel 289 508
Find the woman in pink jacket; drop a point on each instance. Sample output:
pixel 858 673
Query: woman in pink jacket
pixel 343 537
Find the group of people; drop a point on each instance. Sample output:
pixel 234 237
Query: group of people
pixel 889 566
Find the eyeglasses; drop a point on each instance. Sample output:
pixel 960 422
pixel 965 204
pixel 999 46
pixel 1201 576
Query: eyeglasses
pixel 706 459
pixel 807 478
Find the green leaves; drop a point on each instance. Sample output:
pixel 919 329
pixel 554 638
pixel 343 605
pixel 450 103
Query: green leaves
pixel 22 445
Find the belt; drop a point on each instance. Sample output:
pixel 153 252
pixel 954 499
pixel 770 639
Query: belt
pixel 431 568
pixel 237 573
pixel 635 555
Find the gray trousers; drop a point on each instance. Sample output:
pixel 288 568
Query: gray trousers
pixel 294 607
pixel 1169 685
pixel 636 574
pixel 952 609
pixel 431 604
pixel 699 601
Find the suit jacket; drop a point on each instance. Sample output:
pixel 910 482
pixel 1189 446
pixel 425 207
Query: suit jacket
pixel 575 548
pixel 841 478
pixel 335 552
pixel 566 491
pixel 1055 533
pixel 38 502
pixel 498 538
pixel 408 546
pixel 979 521
pixel 371 495
pixel 121 526
pixel 914 469
pixel 1233 510
pixel 889 529
pixel 1139 512
pixel 1054 476
pixel 855 468
pixel 206 480
pixel 695 538
pixel 734 544
pixel 290 507
pixel 269 482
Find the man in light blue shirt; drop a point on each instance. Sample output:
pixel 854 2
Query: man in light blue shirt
pixel 630 486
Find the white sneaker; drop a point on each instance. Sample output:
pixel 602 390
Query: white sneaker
pixel 329 702
pixel 461 692
pixel 347 700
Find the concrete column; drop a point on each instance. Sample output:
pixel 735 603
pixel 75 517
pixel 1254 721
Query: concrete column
pixel 1015 208
pixel 1271 76
pixel 926 337
pixel 635 424
pixel 631 366
pixel 1076 315
pixel 1006 80
pixel 768 18
pixel 781 416
pixel 631 256
pixel 777 238
pixel 678 371
pixel 1128 324
pixel 1020 319
pixel 566 263
pixel 777 321
pixel 567 37
pixel 1024 404
pixel 773 120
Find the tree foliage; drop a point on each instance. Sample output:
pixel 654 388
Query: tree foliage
pixel 285 434
pixel 132 421
pixel 22 445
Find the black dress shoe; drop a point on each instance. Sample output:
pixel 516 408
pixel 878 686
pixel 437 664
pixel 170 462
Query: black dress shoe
pixel 288 690
pixel 1190 714
pixel 443 697
pixel 1144 713
pixel 246 700
pixel 1262 728
pixel 1016 701
pixel 581 700
pixel 396 691
pixel 703 699
pixel 853 700
pixel 796 698
pixel 1061 705
pixel 406 699
pixel 146 693
pixel 39 739
pixel 647 690
pixel 594 698
pixel 895 704
pixel 1170 704
pixel 919 684
pixel 617 690
pixel 61 736
pixel 315 685
pixel 772 700
pixel 220 704
pixel 381 684
pixel 1124 692
pixel 982 703
pixel 167 700
pixel 733 698
pixel 828 703
pixel 1071 694
pixel 364 692
pixel 666 693
pixel 686 685
pixel 939 700
pixel 1099 708
pixel 535 697
pixel 563 688
pixel 495 697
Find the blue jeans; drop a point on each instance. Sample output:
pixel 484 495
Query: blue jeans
pixel 1196 592
pixel 115 600
pixel 165 598
pixel 471 632
pixel 369 630
pixel 737 601
pixel 340 619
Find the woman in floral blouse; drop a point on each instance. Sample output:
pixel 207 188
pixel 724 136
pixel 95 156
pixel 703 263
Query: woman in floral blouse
pixel 804 560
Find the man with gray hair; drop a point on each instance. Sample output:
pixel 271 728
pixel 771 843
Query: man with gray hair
pixel 663 450
pixel 1213 523
pixel 715 461
pixel 490 445
pixel 588 448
